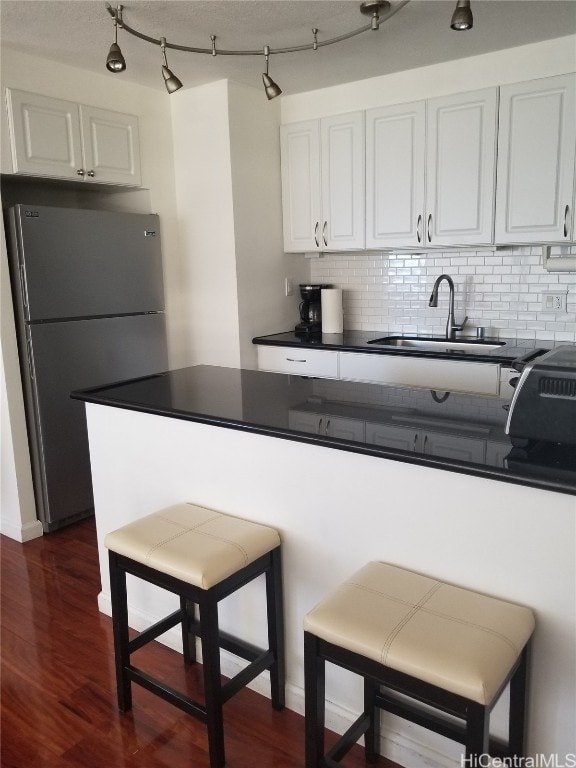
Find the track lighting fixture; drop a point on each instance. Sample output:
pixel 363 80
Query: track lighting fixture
pixel 270 88
pixel 378 10
pixel 115 61
pixel 171 82
pixel 462 16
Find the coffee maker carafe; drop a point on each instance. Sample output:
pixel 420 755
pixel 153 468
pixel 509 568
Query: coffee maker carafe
pixel 310 309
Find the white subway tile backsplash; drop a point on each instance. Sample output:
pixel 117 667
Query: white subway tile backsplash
pixel 499 289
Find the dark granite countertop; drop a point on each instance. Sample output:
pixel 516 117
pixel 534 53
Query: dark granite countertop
pixel 362 341
pixel 451 432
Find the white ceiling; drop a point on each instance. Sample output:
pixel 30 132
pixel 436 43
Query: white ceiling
pixel 79 33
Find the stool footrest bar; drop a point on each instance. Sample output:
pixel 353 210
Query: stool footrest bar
pixel 247 674
pixel 348 739
pixel 151 633
pixel 415 714
pixel 166 692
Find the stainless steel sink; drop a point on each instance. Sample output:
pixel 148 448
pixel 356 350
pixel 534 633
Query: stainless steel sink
pixel 438 343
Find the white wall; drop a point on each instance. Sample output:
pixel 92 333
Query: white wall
pixel 227 167
pixel 261 264
pixel 527 62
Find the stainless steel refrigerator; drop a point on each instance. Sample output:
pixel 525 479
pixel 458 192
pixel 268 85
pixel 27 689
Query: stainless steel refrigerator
pixel 88 301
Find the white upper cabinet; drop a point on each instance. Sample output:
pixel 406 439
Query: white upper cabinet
pixel 301 204
pixel 395 156
pixel 536 146
pixel 430 171
pixel 461 168
pixel 65 140
pixel 323 184
pixel 111 146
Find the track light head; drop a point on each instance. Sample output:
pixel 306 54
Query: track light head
pixel 115 62
pixel 171 82
pixel 462 17
pixel 270 87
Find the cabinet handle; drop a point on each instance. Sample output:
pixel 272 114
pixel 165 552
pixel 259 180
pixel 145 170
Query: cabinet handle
pixel 429 225
pixel 324 233
pixel 91 174
pixel 80 172
pixel 320 425
pixel 316 234
pixel 327 427
pixel 419 228
pixel 566 212
pixel 415 448
pixel 425 443
pixel 294 360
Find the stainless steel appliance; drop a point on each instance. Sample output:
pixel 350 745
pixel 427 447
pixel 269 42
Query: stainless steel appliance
pixel 310 309
pixel 544 403
pixel 88 300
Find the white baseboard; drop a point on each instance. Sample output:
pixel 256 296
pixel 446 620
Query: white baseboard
pixel 22 533
pixel 404 748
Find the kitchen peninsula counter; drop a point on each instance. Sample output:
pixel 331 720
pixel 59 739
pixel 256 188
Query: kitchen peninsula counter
pixel 235 441
pixel 283 406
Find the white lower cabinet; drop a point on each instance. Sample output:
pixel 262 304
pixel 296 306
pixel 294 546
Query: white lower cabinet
pixel 420 372
pixel 392 370
pixel 446 445
pixel 301 362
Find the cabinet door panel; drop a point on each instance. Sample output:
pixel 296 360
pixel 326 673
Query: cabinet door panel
pixel 300 147
pixel 345 429
pixel 111 146
pixel 389 436
pixel 395 143
pixel 304 421
pixel 342 172
pixel 461 163
pixel 536 161
pixel 45 135
pixel 454 447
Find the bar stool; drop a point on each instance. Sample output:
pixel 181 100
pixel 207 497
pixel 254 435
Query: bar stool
pixel 202 556
pixel 416 639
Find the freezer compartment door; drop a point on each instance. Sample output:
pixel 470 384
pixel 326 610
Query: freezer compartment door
pixel 69 356
pixel 82 263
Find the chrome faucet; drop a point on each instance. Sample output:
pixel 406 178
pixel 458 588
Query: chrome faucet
pixel 451 326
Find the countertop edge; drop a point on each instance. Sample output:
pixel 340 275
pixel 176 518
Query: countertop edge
pixel 448 465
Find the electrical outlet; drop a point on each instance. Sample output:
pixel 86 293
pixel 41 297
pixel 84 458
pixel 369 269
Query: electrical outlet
pixel 288 286
pixel 552 301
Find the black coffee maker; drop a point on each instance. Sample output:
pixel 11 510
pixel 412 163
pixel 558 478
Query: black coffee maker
pixel 310 309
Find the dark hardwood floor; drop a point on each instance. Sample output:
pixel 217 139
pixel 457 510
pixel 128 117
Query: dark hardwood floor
pixel 58 706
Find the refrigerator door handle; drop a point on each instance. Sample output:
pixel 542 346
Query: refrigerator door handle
pixel 24 289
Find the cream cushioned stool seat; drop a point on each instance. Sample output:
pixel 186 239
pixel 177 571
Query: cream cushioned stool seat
pixel 440 644
pixel 202 556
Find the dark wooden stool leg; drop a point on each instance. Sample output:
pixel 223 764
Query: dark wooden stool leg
pixel 188 637
pixel 314 693
pixel 372 736
pixel 275 613
pixel 120 630
pixel 212 683
pixel 477 730
pixel 517 717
